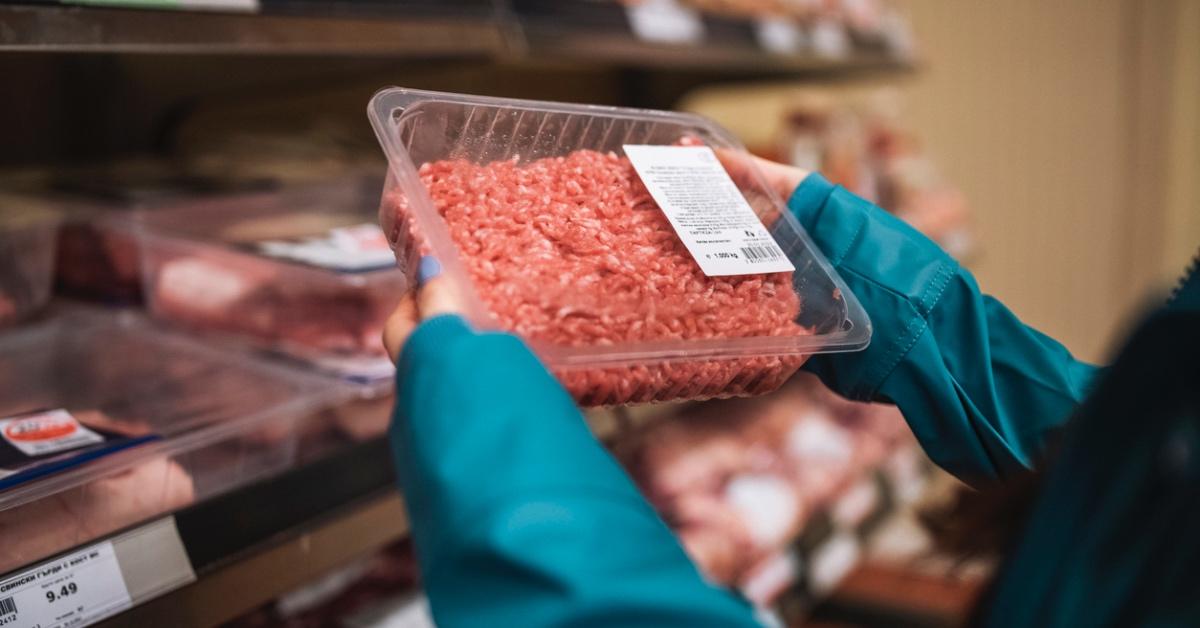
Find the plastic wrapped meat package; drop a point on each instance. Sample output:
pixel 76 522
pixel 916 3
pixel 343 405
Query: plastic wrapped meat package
pixel 306 272
pixel 27 244
pixel 546 229
pixel 739 479
pixel 90 444
pixel 98 255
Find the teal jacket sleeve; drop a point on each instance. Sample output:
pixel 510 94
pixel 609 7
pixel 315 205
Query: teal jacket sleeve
pixel 519 516
pixel 982 391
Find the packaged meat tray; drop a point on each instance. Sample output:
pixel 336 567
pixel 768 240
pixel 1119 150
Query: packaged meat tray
pixel 306 272
pixel 740 479
pixel 107 420
pixel 97 254
pixel 27 241
pixel 540 217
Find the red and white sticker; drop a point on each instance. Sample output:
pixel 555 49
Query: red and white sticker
pixel 46 432
pixel 708 211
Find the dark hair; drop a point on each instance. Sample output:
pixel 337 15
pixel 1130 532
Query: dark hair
pixel 982 522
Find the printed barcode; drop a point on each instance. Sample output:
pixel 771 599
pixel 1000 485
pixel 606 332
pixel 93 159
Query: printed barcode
pixel 7 607
pixel 760 253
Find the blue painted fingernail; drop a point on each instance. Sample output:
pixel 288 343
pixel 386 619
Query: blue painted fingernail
pixel 427 269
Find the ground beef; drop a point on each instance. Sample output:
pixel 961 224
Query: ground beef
pixel 573 251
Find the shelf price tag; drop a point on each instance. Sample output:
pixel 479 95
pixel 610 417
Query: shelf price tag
pixel 78 589
pixel 779 36
pixel 665 22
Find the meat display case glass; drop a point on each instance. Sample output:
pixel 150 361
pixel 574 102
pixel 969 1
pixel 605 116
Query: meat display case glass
pixel 181 421
pixel 304 272
pixel 27 245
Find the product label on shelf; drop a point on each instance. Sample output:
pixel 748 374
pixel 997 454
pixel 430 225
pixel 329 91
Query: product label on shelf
pixel 354 249
pixel 665 21
pixel 779 35
pixel 709 213
pixel 39 443
pixel 46 432
pixel 75 590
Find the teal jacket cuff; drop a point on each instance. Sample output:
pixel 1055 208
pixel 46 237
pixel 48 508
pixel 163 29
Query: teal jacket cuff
pixel 981 390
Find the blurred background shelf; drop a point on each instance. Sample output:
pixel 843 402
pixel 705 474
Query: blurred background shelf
pixel 225 556
pixel 118 30
pixel 417 30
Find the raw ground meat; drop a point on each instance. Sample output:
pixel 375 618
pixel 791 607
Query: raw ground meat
pixel 37 529
pixel 218 293
pixel 573 251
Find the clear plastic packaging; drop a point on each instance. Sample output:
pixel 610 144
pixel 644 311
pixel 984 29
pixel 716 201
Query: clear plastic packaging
pixel 27 243
pixel 203 419
pixel 305 272
pixel 97 255
pixel 665 350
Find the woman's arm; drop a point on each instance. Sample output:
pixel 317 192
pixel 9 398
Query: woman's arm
pixel 981 390
pixel 520 517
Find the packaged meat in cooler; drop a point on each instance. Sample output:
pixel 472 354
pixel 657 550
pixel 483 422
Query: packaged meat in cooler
pixel 306 272
pixel 107 420
pixel 544 222
pixel 739 479
pixel 27 240
pixel 98 257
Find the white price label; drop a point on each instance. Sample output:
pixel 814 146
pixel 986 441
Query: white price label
pixel 709 213
pixel 665 21
pixel 779 35
pixel 348 249
pixel 41 433
pixel 78 589
pixel 829 39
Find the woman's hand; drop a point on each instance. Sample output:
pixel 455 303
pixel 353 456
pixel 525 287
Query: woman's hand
pixel 434 296
pixel 781 178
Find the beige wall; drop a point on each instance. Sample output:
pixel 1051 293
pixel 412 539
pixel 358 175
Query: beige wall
pixel 1066 123
pixel 1073 126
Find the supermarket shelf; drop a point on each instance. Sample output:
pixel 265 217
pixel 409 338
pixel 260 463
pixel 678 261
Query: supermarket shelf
pixel 258 577
pixel 86 29
pixel 598 36
pixel 549 42
pixel 225 556
pixel 600 32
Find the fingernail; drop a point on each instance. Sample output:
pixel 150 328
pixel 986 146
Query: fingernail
pixel 427 269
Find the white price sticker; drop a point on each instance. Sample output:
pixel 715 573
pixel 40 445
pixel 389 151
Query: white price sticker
pixel 779 35
pixel 709 213
pixel 78 589
pixel 665 21
pixel 41 433
pixel 357 248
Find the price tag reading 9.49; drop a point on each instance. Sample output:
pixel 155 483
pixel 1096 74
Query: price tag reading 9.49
pixel 67 590
pixel 78 589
